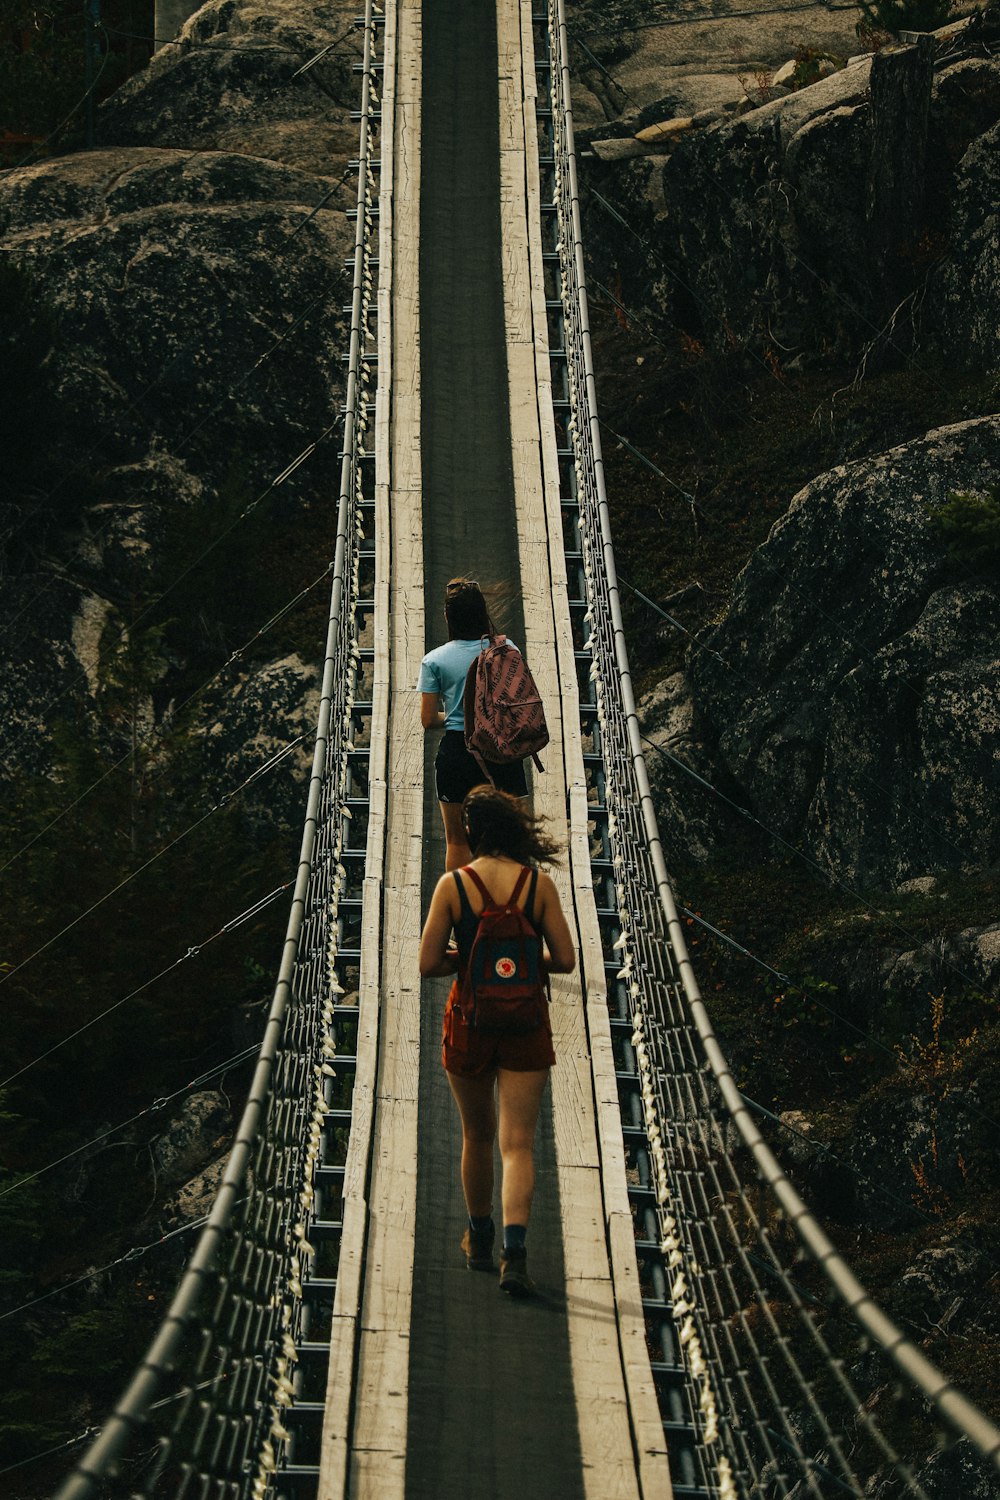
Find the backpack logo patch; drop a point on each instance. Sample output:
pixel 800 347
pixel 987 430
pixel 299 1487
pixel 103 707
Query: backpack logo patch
pixel 505 968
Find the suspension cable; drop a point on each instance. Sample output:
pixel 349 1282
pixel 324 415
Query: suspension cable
pixel 261 770
pixel 163 732
pixel 914 815
pixel 192 952
pixel 809 861
pixel 918 1371
pixel 151 1109
pixel 279 479
pixel 136 1253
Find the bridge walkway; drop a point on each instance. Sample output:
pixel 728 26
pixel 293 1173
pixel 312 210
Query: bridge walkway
pixel 454 1386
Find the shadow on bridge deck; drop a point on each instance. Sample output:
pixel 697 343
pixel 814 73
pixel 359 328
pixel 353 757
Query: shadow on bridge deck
pixel 491 1408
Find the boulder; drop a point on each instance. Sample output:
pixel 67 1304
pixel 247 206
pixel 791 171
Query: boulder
pixel 172 274
pixel 229 83
pixel 962 310
pixel 694 823
pixel 194 1133
pixel 811 223
pixel 619 148
pixel 854 687
pixel 246 724
pixel 195 1198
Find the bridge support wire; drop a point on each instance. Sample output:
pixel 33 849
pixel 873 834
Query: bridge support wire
pixel 776 1343
pixel 208 1410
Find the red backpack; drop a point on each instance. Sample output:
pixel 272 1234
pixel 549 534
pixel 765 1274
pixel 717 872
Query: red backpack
pixel 503 987
pixel 504 718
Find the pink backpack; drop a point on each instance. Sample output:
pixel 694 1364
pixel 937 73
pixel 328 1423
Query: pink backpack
pixel 504 718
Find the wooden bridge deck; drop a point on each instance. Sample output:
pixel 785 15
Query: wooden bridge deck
pixel 438 1385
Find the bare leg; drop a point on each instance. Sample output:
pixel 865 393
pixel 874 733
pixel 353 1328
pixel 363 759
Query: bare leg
pixel 475 1100
pixel 520 1100
pixel 458 852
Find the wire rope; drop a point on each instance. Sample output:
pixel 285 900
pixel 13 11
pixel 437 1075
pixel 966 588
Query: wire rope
pixel 807 859
pixel 192 952
pixel 163 732
pixel 136 1253
pixel 913 815
pixel 687 1138
pixel 40 147
pixel 261 770
pixel 185 438
pixel 302 457
pixel 159 1103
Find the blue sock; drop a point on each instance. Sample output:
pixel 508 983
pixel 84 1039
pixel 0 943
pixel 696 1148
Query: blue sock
pixel 480 1225
pixel 514 1236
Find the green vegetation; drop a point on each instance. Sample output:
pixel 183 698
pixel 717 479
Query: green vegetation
pixel 968 526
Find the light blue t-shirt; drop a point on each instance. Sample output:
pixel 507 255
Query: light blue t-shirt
pixel 444 671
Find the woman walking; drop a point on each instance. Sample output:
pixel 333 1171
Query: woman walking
pixel 487 1069
pixel 442 686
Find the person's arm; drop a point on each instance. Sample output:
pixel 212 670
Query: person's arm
pixel 558 953
pixel 436 958
pixel 431 715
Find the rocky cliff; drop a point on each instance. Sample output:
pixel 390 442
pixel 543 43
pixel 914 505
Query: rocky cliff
pixel 854 213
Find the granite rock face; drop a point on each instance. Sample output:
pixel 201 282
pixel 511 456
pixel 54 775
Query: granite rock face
pixel 231 82
pixel 855 687
pixel 199 294
pixel 858 213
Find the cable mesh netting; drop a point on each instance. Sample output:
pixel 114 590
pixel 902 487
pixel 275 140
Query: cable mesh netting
pixel 788 1385
pixel 212 1409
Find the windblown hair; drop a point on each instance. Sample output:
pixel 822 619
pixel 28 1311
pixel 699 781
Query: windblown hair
pixel 466 611
pixel 498 824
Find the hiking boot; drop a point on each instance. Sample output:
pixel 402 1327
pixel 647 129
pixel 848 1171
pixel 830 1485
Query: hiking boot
pixel 514 1278
pixel 478 1247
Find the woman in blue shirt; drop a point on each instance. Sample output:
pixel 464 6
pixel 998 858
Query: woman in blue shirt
pixel 442 686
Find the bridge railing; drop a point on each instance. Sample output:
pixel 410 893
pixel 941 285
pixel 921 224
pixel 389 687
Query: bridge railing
pixel 206 1413
pixel 786 1358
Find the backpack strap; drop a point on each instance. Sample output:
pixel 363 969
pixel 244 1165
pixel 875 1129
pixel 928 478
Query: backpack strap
pixel 512 899
pixel 468 870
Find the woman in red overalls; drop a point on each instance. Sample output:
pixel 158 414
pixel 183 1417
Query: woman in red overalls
pixel 490 1068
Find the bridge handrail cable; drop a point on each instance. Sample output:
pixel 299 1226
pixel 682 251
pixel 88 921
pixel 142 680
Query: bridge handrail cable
pixel 228 1430
pixel 690 1144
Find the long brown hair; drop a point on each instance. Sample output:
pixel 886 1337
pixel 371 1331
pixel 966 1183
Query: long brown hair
pixel 466 611
pixel 499 824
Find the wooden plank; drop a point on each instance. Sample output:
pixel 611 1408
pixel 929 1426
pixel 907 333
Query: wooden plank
pixel 599 1386
pixel 342 1372
pixel 369 1459
pixel 651 1476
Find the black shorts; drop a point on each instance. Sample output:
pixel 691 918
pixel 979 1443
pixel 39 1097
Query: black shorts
pixel 456 772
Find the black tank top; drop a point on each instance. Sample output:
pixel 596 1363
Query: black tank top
pixel 468 921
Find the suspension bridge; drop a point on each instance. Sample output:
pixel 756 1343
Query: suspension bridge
pixel 697 1333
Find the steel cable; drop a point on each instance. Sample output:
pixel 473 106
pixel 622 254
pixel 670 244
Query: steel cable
pixel 191 952
pixel 162 732
pixel 807 859
pixel 302 457
pixel 159 1103
pixel 808 600
pixel 224 801
pixel 760 1405
pixel 228 1345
